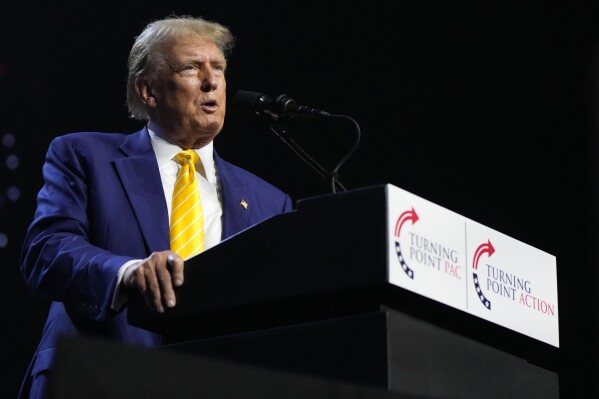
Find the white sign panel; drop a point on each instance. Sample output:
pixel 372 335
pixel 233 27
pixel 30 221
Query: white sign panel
pixel 444 256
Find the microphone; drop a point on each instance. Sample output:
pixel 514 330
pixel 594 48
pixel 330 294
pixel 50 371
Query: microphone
pixel 280 108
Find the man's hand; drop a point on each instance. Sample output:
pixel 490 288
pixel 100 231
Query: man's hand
pixel 155 278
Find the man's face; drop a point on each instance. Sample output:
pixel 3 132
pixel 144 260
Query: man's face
pixel 190 90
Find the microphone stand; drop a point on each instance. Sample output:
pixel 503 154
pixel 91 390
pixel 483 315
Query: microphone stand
pixel 330 175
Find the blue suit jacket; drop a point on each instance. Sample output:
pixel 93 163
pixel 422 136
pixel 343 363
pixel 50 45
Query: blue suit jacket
pixel 101 205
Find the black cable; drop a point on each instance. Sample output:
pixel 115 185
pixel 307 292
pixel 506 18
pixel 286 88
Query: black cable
pixel 332 175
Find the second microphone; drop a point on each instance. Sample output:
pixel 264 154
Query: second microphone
pixel 282 107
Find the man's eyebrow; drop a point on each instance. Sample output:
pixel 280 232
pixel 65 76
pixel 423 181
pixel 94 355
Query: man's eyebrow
pixel 174 65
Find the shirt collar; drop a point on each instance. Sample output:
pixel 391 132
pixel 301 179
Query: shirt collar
pixel 165 150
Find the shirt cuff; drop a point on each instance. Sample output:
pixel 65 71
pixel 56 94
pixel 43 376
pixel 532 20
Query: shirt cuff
pixel 119 297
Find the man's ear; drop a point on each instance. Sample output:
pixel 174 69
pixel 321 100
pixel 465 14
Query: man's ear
pixel 146 92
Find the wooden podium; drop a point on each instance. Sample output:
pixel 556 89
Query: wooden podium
pixel 308 292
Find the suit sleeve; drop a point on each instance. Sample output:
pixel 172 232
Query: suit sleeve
pixel 58 260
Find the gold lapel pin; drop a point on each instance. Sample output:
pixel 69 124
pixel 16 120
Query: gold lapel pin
pixel 244 204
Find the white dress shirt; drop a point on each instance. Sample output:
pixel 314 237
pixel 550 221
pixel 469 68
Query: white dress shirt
pixel 165 152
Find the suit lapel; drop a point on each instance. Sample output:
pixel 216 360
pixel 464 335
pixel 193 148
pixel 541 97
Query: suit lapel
pixel 140 177
pixel 235 216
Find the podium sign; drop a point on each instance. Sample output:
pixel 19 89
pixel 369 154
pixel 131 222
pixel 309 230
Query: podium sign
pixel 451 259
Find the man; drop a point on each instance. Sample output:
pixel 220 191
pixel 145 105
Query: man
pixel 102 220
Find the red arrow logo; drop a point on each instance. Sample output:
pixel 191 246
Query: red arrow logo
pixel 404 217
pixel 482 248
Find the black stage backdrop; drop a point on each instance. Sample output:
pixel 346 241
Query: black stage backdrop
pixel 487 108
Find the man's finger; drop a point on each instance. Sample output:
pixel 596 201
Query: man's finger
pixel 176 265
pixel 152 284
pixel 166 285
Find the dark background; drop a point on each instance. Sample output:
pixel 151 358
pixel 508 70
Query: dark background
pixel 487 108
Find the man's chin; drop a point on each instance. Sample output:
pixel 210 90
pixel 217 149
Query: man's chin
pixel 204 135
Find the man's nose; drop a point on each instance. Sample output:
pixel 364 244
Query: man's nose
pixel 209 81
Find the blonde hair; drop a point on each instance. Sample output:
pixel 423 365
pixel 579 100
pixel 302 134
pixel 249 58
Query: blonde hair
pixel 144 57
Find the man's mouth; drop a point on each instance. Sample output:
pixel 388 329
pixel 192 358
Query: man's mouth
pixel 209 106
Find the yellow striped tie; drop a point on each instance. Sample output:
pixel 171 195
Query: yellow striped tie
pixel 187 217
